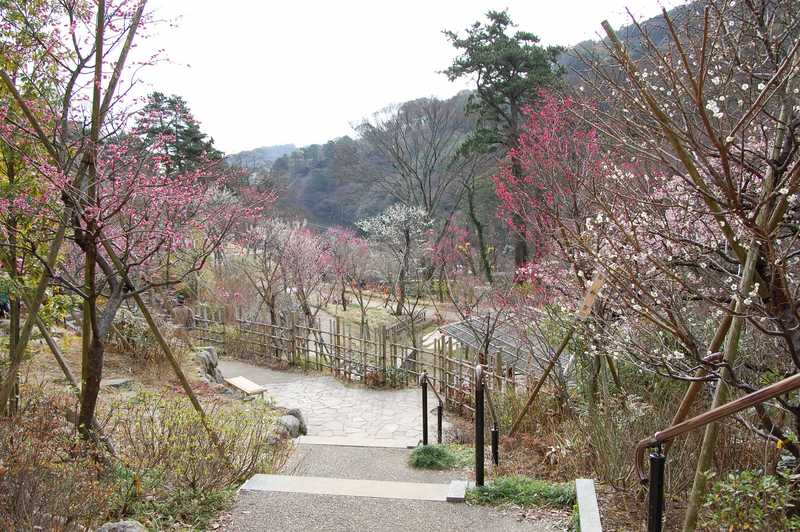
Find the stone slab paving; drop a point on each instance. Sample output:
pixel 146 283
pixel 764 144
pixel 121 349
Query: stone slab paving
pixel 334 409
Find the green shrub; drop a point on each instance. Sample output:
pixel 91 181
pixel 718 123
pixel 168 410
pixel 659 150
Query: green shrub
pixel 523 491
pixel 440 456
pixel 49 478
pixel 748 500
pixel 132 337
pixel 172 473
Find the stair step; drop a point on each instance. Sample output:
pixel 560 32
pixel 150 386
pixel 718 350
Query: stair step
pixel 453 492
pixel 345 441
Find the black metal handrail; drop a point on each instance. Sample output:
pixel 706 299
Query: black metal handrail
pixel 439 410
pixel 655 442
pixel 480 395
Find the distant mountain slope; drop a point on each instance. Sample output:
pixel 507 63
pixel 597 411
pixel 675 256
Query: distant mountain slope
pixel 333 183
pixel 260 158
pixel 655 27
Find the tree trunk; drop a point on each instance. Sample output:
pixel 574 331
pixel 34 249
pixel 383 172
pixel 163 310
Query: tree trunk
pixel 401 278
pixel 91 385
pixel 520 244
pixel 14 329
pixel 473 216
pixel 13 302
pixel 93 348
pixel 344 301
pixel 273 319
pixel 520 239
pixel 732 340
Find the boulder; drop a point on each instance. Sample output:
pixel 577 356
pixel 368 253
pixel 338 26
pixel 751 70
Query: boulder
pixel 129 525
pixel 288 426
pixel 207 359
pixel 295 412
pixel 291 424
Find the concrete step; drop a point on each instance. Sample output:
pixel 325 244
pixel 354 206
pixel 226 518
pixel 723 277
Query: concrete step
pixel 346 441
pixel 452 492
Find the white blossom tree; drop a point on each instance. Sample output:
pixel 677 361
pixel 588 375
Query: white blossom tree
pixel 402 230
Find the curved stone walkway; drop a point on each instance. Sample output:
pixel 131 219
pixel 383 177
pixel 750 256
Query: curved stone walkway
pixel 333 409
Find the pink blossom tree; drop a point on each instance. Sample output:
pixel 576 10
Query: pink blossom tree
pixel 350 259
pixel 306 263
pixel 132 226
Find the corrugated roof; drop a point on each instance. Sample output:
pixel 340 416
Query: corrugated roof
pixel 521 344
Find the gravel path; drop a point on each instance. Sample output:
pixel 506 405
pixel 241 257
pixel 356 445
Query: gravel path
pixel 294 512
pixel 367 463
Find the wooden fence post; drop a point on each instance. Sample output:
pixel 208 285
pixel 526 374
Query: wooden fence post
pixel 292 338
pixel 498 370
pixel 383 352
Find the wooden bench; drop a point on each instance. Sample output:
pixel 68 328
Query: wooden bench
pixel 246 386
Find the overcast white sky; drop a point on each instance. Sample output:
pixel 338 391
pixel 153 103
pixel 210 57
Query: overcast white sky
pixel 262 72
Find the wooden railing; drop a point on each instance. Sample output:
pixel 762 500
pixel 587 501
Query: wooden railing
pixel 657 459
pixel 375 359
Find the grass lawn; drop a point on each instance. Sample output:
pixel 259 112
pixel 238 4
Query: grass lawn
pixel 450 456
pixel 376 316
pixel 523 491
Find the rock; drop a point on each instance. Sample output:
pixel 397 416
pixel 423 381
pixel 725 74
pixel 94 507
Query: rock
pixel 295 412
pixel 211 353
pixel 207 358
pixel 129 525
pixel 117 384
pixel 183 316
pixel 290 426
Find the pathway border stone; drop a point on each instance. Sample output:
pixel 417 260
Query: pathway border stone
pixel 381 489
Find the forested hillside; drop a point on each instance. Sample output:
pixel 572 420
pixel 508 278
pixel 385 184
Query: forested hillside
pixel 340 182
pixel 260 158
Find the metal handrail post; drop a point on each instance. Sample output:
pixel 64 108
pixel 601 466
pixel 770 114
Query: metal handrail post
pixel 479 466
pixel 655 491
pixel 424 380
pixel 495 444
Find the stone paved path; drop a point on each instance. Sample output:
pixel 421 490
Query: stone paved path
pixel 334 409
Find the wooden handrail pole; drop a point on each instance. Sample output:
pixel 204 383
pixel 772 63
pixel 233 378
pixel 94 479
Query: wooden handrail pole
pixel 548 369
pixel 781 387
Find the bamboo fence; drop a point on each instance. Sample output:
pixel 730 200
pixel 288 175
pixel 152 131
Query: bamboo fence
pixel 376 359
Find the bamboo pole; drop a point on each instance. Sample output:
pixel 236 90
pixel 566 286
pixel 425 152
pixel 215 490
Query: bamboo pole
pixel 164 345
pixel 35 304
pixel 540 383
